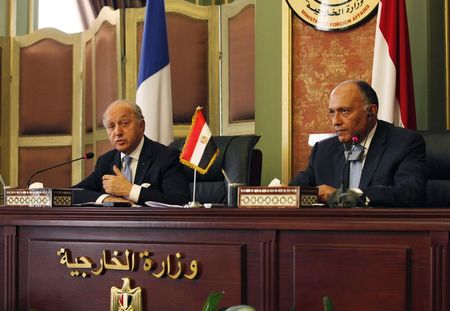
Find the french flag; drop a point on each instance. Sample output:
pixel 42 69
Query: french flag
pixel 200 149
pixel 154 92
pixel 392 76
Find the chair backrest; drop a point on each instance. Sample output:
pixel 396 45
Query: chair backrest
pixel 438 163
pixel 237 157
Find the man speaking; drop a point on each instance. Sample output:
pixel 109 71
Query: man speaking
pixel 369 156
pixel 137 169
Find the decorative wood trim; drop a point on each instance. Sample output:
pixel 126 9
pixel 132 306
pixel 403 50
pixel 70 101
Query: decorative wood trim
pixel 9 269
pixel 286 94
pixel 268 250
pixel 439 270
pixel 5 107
pixel 45 141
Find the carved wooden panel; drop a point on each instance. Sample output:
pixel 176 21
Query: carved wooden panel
pixel 228 263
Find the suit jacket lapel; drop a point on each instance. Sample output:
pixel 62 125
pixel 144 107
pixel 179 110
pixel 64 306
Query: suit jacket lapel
pixel 117 162
pixel 145 161
pixel 376 151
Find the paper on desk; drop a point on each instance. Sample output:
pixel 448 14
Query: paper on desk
pixel 159 204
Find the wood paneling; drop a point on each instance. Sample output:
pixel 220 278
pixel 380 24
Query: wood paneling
pixel 362 259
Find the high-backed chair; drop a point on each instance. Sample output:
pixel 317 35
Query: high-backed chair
pixel 237 157
pixel 438 162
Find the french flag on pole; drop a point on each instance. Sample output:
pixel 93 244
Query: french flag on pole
pixel 154 92
pixel 392 76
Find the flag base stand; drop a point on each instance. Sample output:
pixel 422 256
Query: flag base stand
pixel 193 205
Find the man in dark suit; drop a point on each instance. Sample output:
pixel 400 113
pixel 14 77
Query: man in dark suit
pixel 138 169
pixel 393 159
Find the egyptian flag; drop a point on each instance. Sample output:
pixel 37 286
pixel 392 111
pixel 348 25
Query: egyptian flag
pixel 199 150
pixel 392 71
pixel 154 93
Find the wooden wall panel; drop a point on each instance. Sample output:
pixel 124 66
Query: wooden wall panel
pixel 242 66
pixel 102 147
pixel 352 277
pixel 238 67
pixel 45 106
pixel 188 50
pixel 46 85
pixel 32 159
pixel 320 263
pixel 106 69
pixel 228 261
pixel 320 61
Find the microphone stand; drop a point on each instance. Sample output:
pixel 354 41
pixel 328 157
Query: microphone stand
pixel 343 196
pixel 88 155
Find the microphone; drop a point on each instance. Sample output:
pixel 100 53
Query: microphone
pixel 348 154
pixel 343 197
pixel 86 156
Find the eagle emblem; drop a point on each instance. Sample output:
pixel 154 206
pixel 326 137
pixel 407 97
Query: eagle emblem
pixel 126 298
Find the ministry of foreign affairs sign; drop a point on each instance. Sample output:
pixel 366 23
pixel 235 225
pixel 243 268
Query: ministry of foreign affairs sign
pixel 331 15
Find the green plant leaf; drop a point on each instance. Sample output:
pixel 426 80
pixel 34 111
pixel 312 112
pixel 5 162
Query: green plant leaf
pixel 212 302
pixel 327 304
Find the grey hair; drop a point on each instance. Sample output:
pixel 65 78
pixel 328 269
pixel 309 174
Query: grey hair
pixel 136 109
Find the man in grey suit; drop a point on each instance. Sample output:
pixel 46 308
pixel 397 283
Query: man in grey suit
pixel 393 163
pixel 137 169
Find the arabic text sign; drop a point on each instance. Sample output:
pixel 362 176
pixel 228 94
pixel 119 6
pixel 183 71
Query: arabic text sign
pixel 333 14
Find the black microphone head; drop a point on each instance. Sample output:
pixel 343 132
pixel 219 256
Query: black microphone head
pixel 88 155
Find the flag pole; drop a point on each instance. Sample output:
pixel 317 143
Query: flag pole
pixel 195 183
pixel 194 203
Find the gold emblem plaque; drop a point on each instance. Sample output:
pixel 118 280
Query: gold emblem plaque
pixel 126 298
pixel 329 15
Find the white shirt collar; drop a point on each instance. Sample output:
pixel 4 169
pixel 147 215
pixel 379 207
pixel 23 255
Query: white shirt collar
pixel 368 140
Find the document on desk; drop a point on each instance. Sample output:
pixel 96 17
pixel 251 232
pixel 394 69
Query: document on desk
pixel 162 205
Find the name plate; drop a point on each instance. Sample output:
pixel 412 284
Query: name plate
pixel 276 197
pixel 38 197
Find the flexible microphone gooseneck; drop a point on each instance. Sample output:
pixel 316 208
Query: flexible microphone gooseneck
pixel 87 156
pixel 348 157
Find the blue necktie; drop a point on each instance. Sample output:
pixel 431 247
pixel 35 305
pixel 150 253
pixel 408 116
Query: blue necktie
pixel 355 170
pixel 126 167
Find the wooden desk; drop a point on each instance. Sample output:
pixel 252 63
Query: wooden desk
pixel 363 259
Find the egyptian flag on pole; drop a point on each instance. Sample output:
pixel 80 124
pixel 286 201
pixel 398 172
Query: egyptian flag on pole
pixel 392 76
pixel 199 150
pixel 154 93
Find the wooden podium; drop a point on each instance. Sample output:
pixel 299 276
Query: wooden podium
pixel 362 259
